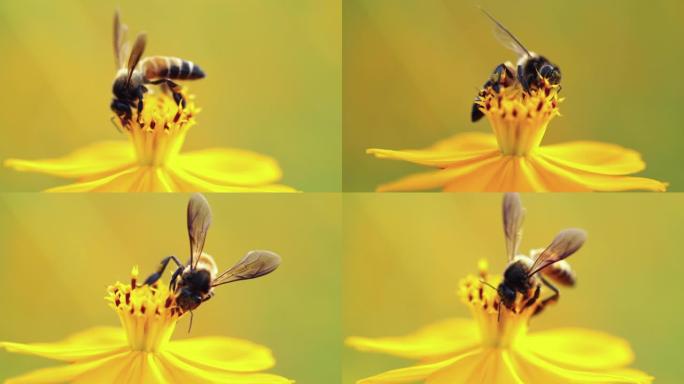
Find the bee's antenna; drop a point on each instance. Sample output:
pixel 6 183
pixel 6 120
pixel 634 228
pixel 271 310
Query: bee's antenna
pixel 489 285
pixel 498 316
pixel 190 326
pixel 114 124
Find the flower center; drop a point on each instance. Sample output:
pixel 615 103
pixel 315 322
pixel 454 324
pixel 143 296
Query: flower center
pixel 147 313
pixel 158 132
pixel 519 118
pixel 499 326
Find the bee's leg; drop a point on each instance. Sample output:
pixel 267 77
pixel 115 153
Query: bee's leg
pixel 551 299
pixel 499 77
pixel 162 266
pixel 175 90
pixel 140 107
pixel 207 297
pixel 174 278
pixel 190 325
pixel 523 81
pixel 115 125
pixel 532 299
pixel 475 112
pixel 122 110
pixel 141 92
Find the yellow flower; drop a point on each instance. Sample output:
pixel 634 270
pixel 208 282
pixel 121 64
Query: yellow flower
pixel 151 160
pixel 491 350
pixel 512 159
pixel 495 347
pixel 142 351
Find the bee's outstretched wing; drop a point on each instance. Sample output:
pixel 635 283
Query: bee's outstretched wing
pixel 254 264
pixel 199 220
pixel 565 243
pixel 136 53
pixel 506 38
pixel 513 216
pixel 120 46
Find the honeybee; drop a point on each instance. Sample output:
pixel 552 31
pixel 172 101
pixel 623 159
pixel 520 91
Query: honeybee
pixel 194 283
pixel 524 274
pixel 132 75
pixel 532 71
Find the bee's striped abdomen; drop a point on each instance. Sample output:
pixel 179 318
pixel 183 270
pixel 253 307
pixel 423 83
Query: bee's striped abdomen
pixel 561 273
pixel 164 67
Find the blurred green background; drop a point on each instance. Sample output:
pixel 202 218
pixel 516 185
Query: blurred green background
pixel 405 253
pixel 59 253
pixel 411 69
pixel 273 78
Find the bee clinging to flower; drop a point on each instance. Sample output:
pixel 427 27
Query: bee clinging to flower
pixel 525 275
pixel 134 72
pixel 194 282
pixel 532 71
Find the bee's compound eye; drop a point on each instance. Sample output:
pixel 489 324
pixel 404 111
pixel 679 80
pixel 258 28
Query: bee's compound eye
pixel 507 294
pixel 551 73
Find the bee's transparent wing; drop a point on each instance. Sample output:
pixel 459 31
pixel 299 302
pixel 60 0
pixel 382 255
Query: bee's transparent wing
pixel 506 38
pixel 513 216
pixel 565 243
pixel 120 46
pixel 199 220
pixel 253 265
pixel 136 53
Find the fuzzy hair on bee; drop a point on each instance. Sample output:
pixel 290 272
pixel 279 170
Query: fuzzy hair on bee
pixel 135 72
pixel 525 275
pixel 193 282
pixel 531 71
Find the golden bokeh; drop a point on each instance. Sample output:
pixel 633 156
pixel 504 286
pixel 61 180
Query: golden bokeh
pixel 60 252
pixel 273 79
pixel 404 255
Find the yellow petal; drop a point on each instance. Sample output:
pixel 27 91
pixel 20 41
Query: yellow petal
pixel 534 369
pixel 91 344
pixel 101 335
pixel 422 371
pixel 512 174
pixel 188 182
pixel 487 367
pixel 188 373
pixel 223 353
pixel 123 181
pixel 469 141
pixel 433 158
pixel 230 167
pixel 156 373
pixel 527 178
pixel 462 149
pixel 595 157
pixel 580 348
pixel 463 178
pixel 94 160
pixel 444 338
pixel 119 370
pixel 595 181
pixel 553 181
pixel 66 373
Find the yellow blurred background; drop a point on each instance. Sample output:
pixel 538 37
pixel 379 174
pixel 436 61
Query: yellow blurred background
pixel 273 78
pixel 404 255
pixel 411 69
pixel 59 253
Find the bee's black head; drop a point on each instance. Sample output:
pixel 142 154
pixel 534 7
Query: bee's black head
pixel 507 295
pixel 188 300
pixel 123 90
pixel 551 73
